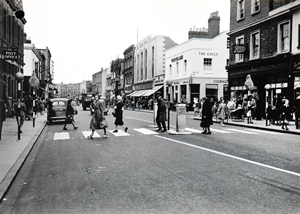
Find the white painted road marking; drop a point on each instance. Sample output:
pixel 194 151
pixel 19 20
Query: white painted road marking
pixel 120 133
pixel 61 136
pixel 220 130
pixel 231 156
pixel 242 131
pixel 145 131
pixel 88 133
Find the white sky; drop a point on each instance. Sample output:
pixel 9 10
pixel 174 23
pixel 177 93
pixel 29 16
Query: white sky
pixel 84 36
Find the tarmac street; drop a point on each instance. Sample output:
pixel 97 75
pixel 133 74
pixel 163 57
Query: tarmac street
pixel 13 152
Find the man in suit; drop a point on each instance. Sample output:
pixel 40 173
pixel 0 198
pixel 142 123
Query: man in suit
pixel 161 116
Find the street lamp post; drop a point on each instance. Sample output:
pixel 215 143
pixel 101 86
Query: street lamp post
pixel 19 77
pixel 169 83
pixel 34 83
pixel 267 87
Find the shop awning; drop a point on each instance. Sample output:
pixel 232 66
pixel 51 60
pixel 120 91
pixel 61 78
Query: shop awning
pixel 151 91
pixel 139 93
pixel 130 95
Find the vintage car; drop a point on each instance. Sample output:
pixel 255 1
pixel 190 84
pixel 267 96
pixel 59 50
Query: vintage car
pixel 57 108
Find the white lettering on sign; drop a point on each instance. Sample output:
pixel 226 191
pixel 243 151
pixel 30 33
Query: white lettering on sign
pixel 208 54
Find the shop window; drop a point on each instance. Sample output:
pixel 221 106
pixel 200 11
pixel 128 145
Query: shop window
pixel 283 37
pixel 254 45
pixel 211 90
pixel 240 9
pixel 177 67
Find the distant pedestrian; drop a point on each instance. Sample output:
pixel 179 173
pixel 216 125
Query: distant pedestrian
pixel 119 108
pixel 285 114
pixel 161 116
pixel 98 120
pixel 206 115
pixel 196 106
pixel 251 109
pixel 70 115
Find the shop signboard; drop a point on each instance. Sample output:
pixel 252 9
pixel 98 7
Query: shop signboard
pixel 11 55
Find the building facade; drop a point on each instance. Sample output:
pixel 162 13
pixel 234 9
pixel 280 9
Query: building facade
pixel 149 68
pixel 264 42
pixel 196 67
pixel 129 69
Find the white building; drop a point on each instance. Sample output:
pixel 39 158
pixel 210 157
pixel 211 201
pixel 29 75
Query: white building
pixel 196 67
pixel 149 69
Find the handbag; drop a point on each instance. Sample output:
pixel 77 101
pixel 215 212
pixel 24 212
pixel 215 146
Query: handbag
pixel 104 123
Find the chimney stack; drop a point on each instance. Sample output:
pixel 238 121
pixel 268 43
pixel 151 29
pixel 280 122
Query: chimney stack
pixel 214 25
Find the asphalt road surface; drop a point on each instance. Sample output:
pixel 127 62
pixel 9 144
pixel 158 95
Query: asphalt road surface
pixel 234 170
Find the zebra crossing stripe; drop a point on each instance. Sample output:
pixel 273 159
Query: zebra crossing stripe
pixel 61 136
pixel 120 133
pixel 145 131
pixel 88 133
pixel 266 132
pixel 242 131
pixel 221 131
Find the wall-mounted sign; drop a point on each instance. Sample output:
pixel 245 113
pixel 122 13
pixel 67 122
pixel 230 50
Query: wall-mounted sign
pixel 177 58
pixel 220 81
pixel 208 54
pixel 11 55
pixel 239 49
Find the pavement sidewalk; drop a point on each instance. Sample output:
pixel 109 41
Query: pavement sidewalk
pixel 13 152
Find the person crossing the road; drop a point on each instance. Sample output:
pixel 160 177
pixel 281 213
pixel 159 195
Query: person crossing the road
pixel 161 116
pixel 98 119
pixel 70 115
pixel 119 108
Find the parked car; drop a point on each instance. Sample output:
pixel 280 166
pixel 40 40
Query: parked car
pixel 57 108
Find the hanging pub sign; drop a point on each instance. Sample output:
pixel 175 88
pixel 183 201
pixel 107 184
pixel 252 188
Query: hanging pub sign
pixel 11 55
pixel 239 49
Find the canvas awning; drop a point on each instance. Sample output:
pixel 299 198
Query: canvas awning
pixel 151 91
pixel 139 93
pixel 130 95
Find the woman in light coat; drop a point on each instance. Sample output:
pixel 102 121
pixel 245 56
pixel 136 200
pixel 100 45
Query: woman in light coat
pixel 98 117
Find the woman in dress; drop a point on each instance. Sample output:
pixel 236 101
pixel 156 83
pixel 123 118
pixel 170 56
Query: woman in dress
pixel 222 111
pixel 285 114
pixel 98 117
pixel 119 107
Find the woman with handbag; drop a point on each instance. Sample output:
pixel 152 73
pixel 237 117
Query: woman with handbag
pixel 118 110
pixel 98 120
pixel 70 115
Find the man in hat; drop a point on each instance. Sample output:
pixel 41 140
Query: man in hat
pixel 161 115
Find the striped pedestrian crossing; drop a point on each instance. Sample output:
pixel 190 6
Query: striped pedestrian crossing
pixel 145 131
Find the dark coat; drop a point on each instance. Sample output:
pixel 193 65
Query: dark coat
pixel 161 110
pixel 119 114
pixel 207 114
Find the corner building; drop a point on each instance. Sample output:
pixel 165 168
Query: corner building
pixel 197 66
pixel 264 43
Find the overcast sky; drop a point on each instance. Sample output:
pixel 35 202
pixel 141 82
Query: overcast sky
pixel 85 35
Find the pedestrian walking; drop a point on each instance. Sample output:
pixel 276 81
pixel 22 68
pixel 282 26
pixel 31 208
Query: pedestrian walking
pixel 206 115
pixel 70 115
pixel 231 105
pixel 285 114
pixel 20 113
pixel 196 106
pixel 222 112
pixel 161 116
pixel 251 109
pixel 98 120
pixel 119 108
